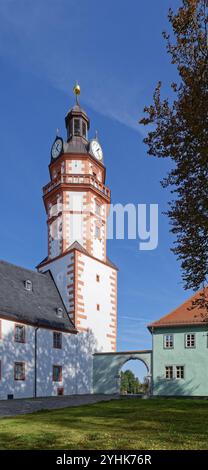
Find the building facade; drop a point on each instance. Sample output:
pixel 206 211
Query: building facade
pixel 77 202
pixel 54 320
pixel 41 353
pixel 180 351
pixel 58 325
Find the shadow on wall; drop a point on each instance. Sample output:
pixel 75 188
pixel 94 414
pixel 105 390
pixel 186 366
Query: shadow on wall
pixel 11 352
pixel 174 387
pixel 75 357
pixel 106 370
pixel 86 345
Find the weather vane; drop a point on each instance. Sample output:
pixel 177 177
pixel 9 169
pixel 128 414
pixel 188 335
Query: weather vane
pixel 77 91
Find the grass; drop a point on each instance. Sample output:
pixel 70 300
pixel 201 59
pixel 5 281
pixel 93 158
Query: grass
pixel 118 424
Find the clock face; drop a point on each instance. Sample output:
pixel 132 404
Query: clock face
pixel 96 149
pixel 57 148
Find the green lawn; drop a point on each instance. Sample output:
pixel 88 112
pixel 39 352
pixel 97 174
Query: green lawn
pixel 118 424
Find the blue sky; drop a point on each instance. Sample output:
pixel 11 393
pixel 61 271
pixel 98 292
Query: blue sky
pixel 116 51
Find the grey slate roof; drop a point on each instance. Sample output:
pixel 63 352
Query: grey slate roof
pixel 76 144
pixel 38 306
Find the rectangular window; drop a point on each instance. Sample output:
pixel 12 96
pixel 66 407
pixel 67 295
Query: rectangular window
pixel 190 340
pixel 168 341
pixel 84 129
pixel 97 278
pixel 169 372
pixel 97 208
pixel 98 307
pixel 97 232
pixel 19 333
pixel 19 371
pixel 57 373
pixel 77 127
pixel 57 340
pixel 179 372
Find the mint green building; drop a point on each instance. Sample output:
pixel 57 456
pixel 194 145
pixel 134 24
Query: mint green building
pixel 180 352
pixel 178 362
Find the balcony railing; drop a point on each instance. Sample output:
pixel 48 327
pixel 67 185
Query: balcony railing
pixel 86 180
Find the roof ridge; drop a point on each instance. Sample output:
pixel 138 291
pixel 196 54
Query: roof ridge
pixel 20 267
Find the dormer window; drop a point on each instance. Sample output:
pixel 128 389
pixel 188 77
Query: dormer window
pixel 28 285
pixel 59 312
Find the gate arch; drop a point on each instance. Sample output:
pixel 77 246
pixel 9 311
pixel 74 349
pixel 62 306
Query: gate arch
pixel 107 366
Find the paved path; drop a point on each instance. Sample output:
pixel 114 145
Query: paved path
pixel 29 405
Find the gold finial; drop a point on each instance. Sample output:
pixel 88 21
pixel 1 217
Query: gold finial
pixel 77 91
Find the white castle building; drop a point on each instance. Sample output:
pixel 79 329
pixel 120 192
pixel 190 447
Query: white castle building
pixel 52 321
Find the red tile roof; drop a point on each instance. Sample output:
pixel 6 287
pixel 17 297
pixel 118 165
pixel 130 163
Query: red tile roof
pixel 189 313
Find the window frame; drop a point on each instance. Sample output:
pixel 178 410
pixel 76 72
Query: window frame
pixel 182 367
pixel 165 346
pixel 77 120
pixel 84 129
pixel 169 367
pixel 186 338
pixel 23 376
pixel 59 312
pixel 55 342
pixel 174 371
pixel 28 285
pixel 60 373
pixel 19 325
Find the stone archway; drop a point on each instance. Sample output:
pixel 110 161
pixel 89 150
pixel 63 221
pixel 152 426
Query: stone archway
pixel 107 366
pixel 140 371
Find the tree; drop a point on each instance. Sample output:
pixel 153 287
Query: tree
pixel 180 131
pixel 130 383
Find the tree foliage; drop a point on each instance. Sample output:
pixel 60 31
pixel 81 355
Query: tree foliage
pixel 131 384
pixel 180 131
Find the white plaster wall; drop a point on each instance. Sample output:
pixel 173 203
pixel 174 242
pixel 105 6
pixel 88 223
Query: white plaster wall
pixel 74 166
pixel 97 293
pixel 77 166
pixel 56 237
pixel 99 244
pixel 75 200
pixel 98 248
pixel 75 357
pixel 74 231
pixel 10 352
pixel 59 269
pixel 74 222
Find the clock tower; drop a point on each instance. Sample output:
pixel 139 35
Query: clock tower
pixel 77 201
